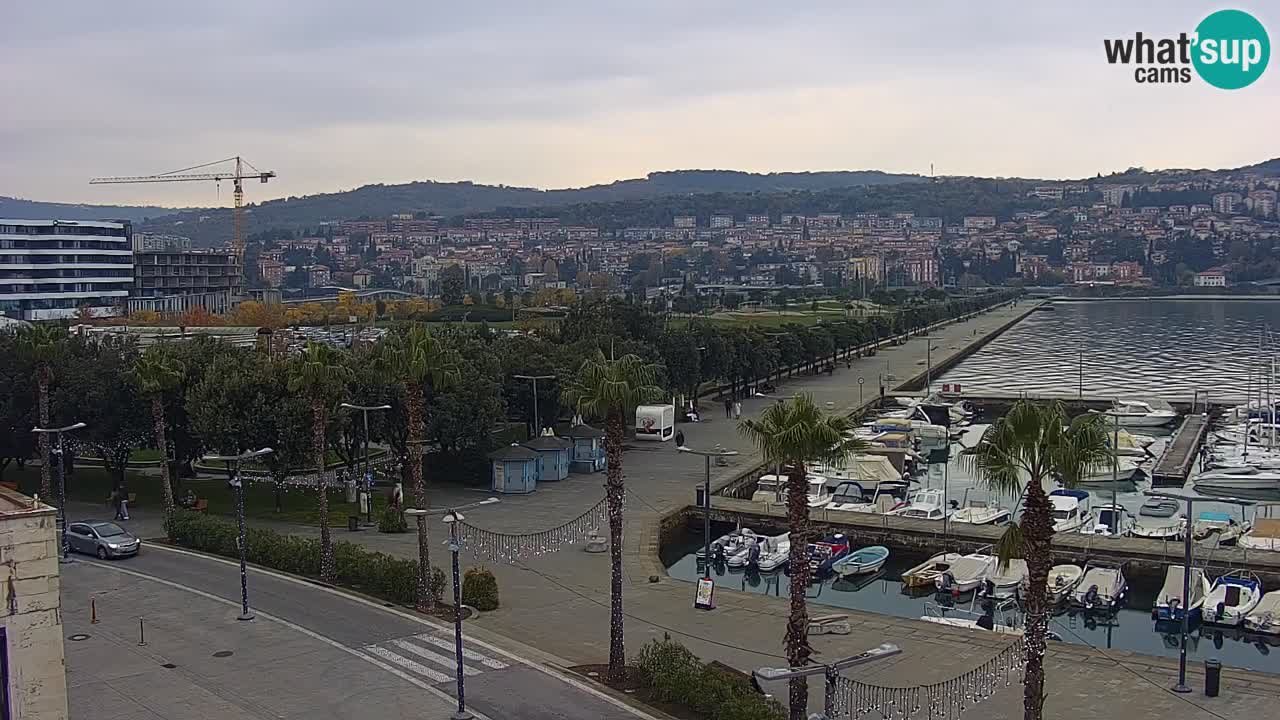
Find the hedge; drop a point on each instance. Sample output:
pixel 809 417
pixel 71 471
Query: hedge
pixel 673 674
pixel 392 521
pixel 480 589
pixel 390 578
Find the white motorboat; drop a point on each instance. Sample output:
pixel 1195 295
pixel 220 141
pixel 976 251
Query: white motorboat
pixel 1216 526
pixel 1127 470
pixel 773 489
pixel 1006 580
pixel 1103 587
pixel 1062 580
pixel 1159 528
pixel 927 572
pixel 872 472
pixel 1003 618
pixel 1169 604
pixel 978 512
pixel 1247 477
pixel 1264 535
pixel 1113 521
pixel 1069 510
pixel 966 573
pixel 1232 598
pixel 732 549
pixel 1265 618
pixel 1129 445
pixel 1142 413
pixel 774 552
pixel 924 505
pixel 1159 508
pixel 849 497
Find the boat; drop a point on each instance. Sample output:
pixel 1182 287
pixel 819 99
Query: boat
pixel 1159 529
pixel 1265 618
pixel 1130 445
pixel 1069 511
pixel 966 573
pixel 1264 535
pixel 924 505
pixel 1169 604
pixel 1002 617
pixel 850 496
pixel 1103 587
pixel 1218 526
pixel 874 473
pixel 1126 470
pixel 730 546
pixel 978 512
pixel 773 489
pixel 1062 580
pixel 824 553
pixel 1113 521
pixel 1159 507
pixel 924 574
pixel 1232 597
pixel 1006 580
pixel 1142 413
pixel 1247 477
pixel 862 561
pixel 773 552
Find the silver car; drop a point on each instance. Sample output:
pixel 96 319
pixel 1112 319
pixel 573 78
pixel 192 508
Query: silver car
pixel 104 539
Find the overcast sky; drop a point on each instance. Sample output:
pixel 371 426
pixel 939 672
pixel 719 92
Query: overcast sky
pixel 336 94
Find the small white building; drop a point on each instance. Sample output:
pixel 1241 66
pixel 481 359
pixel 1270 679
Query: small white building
pixel 1213 277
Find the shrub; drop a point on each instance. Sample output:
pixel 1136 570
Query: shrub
pixel 390 578
pixel 392 521
pixel 480 589
pixel 674 674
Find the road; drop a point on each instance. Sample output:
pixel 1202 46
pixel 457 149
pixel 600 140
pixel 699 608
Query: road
pixel 310 651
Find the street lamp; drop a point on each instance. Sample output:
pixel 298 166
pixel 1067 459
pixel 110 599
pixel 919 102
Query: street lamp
pixel 233 480
pixel 928 359
pixel 831 671
pixel 706 498
pixel 62 483
pixel 368 476
pixel 453 517
pixel 537 420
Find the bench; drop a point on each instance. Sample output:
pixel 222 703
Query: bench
pixel 201 505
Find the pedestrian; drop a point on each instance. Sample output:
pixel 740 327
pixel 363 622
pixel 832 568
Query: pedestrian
pixel 728 407
pixel 679 438
pixel 117 497
pixel 737 409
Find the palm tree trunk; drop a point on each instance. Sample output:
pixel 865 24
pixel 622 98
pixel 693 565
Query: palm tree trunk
pixel 157 416
pixel 415 408
pixel 797 637
pixel 318 446
pixel 46 473
pixel 1037 533
pixel 614 489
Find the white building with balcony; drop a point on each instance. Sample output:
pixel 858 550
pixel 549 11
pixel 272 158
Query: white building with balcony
pixel 50 269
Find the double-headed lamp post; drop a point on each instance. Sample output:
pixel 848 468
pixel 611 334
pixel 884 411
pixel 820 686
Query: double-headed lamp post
pixel 233 480
pixel 831 671
pixel 453 517
pixel 368 476
pixel 62 482
pixel 928 359
pixel 537 420
pixel 706 499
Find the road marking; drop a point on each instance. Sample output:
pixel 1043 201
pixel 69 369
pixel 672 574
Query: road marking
pixel 449 699
pixel 425 654
pixel 468 654
pixel 410 665
pixel 584 687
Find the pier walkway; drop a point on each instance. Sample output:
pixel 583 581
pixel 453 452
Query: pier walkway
pixel 1180 454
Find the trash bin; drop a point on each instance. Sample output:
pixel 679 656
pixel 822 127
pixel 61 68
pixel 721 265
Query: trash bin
pixel 353 523
pixel 1212 677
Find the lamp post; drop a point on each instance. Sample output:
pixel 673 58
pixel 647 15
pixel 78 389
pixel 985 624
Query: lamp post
pixel 537 420
pixel 233 480
pixel 453 517
pixel 706 499
pixel 1080 373
pixel 368 476
pixel 831 671
pixel 62 482
pixel 928 359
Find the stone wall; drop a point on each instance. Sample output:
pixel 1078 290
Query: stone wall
pixel 30 609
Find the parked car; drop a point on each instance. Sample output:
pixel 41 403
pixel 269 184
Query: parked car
pixel 104 539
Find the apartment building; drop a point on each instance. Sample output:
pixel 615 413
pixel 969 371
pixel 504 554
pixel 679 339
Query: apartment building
pixel 175 282
pixel 51 269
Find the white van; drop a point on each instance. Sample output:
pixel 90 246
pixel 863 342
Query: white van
pixel 655 422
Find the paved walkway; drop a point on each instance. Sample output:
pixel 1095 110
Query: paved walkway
pixel 559 602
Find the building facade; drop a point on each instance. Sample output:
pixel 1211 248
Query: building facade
pixel 51 269
pixel 35 680
pixel 174 282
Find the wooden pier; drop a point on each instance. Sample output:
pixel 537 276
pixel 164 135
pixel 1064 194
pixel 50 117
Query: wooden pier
pixel 1180 455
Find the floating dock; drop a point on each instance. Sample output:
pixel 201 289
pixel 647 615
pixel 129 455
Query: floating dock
pixel 1174 466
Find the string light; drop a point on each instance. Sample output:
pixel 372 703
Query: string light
pixel 511 547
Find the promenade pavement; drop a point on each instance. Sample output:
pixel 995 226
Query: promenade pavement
pixel 559 602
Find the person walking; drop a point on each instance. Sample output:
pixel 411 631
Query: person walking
pixel 737 409
pixel 728 407
pixel 679 438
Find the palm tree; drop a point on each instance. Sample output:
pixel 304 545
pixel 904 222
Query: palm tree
pixel 612 388
pixel 1032 444
pixel 793 434
pixel 156 374
pixel 422 363
pixel 40 344
pixel 319 375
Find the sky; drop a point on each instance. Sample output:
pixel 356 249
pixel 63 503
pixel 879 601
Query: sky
pixel 334 94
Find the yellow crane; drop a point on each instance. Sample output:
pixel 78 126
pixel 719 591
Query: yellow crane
pixel 236 176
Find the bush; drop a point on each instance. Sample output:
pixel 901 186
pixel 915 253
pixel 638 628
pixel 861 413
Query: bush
pixel 674 674
pixel 392 521
pixel 390 578
pixel 480 589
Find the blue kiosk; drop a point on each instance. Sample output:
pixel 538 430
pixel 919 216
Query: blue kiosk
pixel 587 455
pixel 515 470
pixel 553 457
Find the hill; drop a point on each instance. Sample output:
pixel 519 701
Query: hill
pixel 35 210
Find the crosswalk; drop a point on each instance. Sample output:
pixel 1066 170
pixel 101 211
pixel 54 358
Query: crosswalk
pixel 430 657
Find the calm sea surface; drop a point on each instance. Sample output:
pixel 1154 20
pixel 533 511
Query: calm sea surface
pixel 1158 348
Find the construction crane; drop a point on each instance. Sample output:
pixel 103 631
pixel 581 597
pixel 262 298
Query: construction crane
pixel 236 176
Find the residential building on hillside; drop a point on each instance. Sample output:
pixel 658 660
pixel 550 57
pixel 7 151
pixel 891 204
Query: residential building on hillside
pixel 979 222
pixel 721 221
pixel 271 272
pixel 1226 202
pixel 49 269
pixel 685 221
pixel 1213 277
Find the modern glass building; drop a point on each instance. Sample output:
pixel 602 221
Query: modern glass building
pixel 50 269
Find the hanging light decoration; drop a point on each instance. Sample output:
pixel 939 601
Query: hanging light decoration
pixel 511 548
